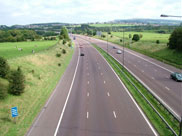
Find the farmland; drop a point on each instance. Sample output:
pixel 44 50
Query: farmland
pixel 109 25
pixel 43 70
pixel 17 49
pixel 147 45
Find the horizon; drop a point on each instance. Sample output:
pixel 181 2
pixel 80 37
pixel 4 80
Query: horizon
pixel 78 11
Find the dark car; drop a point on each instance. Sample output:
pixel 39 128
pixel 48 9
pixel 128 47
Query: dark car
pixel 82 54
pixel 176 76
pixel 74 38
pixel 114 47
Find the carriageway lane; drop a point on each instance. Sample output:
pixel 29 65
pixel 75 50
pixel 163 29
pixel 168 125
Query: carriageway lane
pixel 155 76
pixel 98 104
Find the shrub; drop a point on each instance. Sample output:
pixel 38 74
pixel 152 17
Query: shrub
pixel 4 67
pixel 136 37
pixel 3 88
pixel 64 41
pixel 64 51
pixel 69 44
pixel 120 40
pixel 16 82
pixel 103 36
pixel 58 55
pixel 59 64
pixel 157 41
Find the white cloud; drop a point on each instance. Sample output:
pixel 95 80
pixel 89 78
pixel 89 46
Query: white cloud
pixel 76 11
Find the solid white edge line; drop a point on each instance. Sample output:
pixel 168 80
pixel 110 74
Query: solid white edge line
pixel 144 116
pixel 108 94
pixel 137 56
pixel 60 119
pixel 43 109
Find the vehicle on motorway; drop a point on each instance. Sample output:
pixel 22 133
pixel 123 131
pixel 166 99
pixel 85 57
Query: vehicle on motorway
pixel 80 46
pixel 176 76
pixel 114 47
pixel 74 38
pixel 82 54
pixel 118 51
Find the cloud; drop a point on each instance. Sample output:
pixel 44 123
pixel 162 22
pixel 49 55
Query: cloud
pixel 79 11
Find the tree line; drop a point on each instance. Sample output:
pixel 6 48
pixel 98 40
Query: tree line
pixel 18 35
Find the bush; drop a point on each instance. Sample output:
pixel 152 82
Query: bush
pixel 64 41
pixel 175 40
pixel 120 40
pixel 4 67
pixel 59 64
pixel 3 88
pixel 64 51
pixel 136 37
pixel 157 41
pixel 58 55
pixel 16 82
pixel 103 36
pixel 69 44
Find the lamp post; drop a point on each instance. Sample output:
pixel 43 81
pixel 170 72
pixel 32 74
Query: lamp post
pixel 180 129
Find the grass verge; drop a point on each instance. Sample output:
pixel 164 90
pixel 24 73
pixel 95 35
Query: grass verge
pixel 147 46
pixel 42 74
pixel 157 122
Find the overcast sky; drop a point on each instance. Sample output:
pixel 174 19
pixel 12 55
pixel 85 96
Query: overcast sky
pixel 83 11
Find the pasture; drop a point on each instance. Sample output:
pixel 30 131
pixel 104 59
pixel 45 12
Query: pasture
pixel 10 50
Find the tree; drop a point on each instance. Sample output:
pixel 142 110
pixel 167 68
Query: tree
pixel 136 37
pixel 16 82
pixel 175 40
pixel 157 41
pixel 64 34
pixel 4 67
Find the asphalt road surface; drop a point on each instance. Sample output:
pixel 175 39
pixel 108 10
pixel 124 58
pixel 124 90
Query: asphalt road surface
pixel 98 104
pixel 155 74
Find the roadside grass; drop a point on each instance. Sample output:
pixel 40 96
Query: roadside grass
pixel 42 74
pixel 148 46
pixel 10 50
pixel 157 122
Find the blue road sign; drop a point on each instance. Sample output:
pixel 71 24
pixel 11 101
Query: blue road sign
pixel 14 112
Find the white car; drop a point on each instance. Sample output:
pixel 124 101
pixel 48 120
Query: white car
pixel 118 51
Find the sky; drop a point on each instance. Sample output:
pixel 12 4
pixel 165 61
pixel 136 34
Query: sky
pixel 83 11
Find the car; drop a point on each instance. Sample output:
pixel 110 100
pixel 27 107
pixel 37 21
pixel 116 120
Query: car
pixel 82 54
pixel 114 47
pixel 118 51
pixel 176 76
pixel 74 38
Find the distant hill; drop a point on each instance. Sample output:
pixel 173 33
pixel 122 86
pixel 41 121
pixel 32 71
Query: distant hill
pixel 148 21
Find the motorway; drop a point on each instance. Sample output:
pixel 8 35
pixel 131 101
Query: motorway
pixel 154 74
pixel 90 100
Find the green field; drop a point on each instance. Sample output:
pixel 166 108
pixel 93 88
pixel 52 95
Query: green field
pixel 109 25
pixel 10 49
pixel 148 46
pixel 42 74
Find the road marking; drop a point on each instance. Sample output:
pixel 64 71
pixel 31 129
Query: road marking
pixel 60 119
pixel 114 113
pixel 88 82
pixel 108 94
pixel 142 71
pixel 142 113
pixel 87 114
pixel 153 78
pixel 167 88
pixel 88 94
pixel 104 82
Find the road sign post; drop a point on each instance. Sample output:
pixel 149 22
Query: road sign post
pixel 14 112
